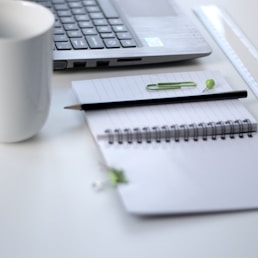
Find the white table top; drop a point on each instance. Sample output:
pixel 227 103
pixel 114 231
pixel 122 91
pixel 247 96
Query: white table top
pixel 48 207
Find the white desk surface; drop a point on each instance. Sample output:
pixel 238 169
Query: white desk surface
pixel 48 208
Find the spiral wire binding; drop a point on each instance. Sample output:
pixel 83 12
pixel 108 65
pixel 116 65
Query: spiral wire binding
pixel 186 132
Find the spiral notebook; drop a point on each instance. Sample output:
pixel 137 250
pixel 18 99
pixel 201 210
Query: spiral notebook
pixel 177 158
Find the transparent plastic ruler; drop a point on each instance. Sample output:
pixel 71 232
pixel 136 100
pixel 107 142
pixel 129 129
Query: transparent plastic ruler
pixel 236 46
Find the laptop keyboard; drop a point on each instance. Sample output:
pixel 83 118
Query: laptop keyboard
pixel 88 24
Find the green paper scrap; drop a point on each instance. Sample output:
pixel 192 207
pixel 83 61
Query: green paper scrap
pixel 116 176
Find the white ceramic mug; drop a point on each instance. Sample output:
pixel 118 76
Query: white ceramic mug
pixel 25 69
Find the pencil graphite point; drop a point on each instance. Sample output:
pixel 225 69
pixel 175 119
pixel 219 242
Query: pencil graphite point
pixel 75 107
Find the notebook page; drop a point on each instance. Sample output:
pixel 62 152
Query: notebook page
pixel 184 177
pixel 133 87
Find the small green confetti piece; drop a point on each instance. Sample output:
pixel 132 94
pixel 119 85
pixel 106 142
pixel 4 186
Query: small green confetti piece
pixel 116 176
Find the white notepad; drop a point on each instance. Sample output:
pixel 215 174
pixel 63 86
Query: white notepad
pixel 178 170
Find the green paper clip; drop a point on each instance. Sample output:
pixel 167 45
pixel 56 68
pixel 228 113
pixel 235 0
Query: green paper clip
pixel 169 85
pixel 116 176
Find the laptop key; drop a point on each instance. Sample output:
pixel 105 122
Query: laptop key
pixel 59 31
pixel 124 35
pixel 96 15
pixel 128 43
pixel 75 5
pixel 112 43
pixel 89 31
pixel 64 13
pixel 67 20
pixel 85 24
pixel 74 34
pixel 104 29
pixel 119 28
pixel 95 42
pixel 82 17
pixel 70 26
pixel 63 45
pixel 61 38
pixel 115 22
pixel 79 43
pixel 89 2
pixel 78 11
pixel 93 9
pixel 100 22
pixel 107 35
pixel 57 1
pixel 61 7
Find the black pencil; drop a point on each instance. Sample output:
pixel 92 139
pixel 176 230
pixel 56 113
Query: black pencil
pixel 160 101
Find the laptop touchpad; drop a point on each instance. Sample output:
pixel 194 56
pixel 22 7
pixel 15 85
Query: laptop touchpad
pixel 138 8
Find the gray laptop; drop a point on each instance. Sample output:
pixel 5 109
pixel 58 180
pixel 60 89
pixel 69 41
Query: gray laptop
pixel 109 33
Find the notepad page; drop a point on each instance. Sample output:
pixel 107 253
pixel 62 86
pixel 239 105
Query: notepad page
pixel 134 87
pixel 186 177
pixel 176 177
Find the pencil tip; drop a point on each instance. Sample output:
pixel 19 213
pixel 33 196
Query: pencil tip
pixel 75 107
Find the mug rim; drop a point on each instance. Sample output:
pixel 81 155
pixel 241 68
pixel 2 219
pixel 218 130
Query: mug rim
pixel 48 24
